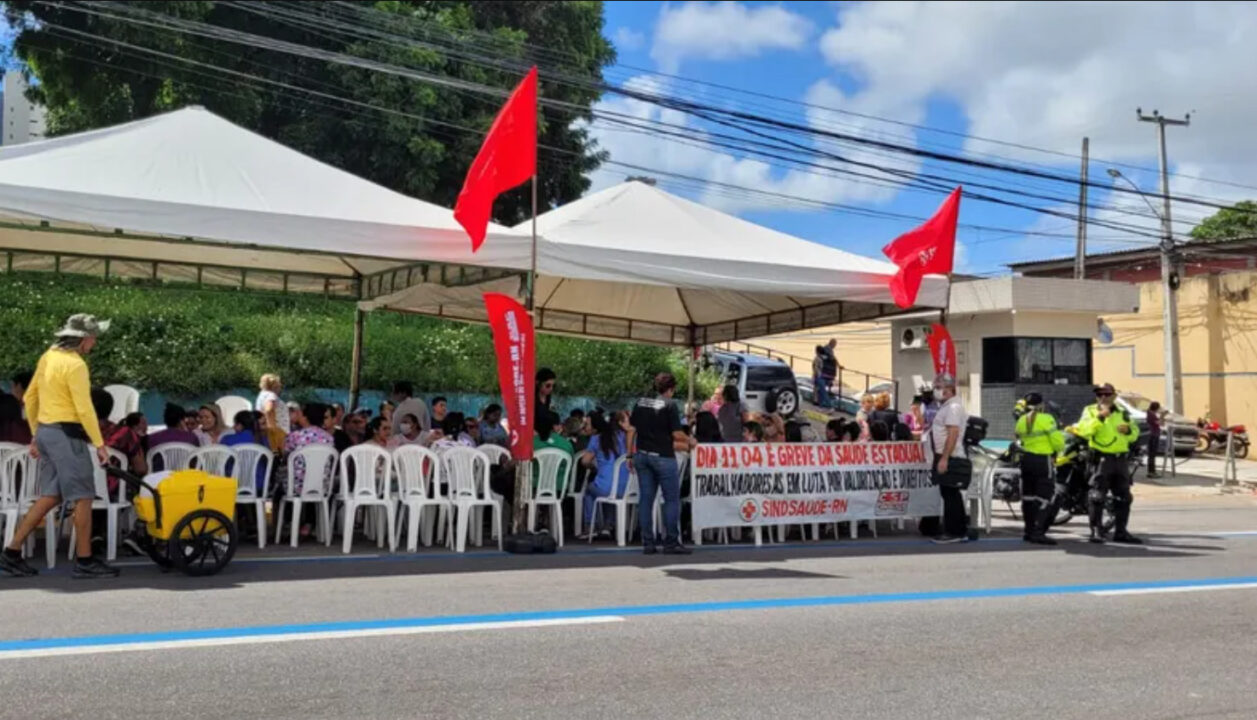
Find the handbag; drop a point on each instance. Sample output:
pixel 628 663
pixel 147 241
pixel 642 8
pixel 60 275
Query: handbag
pixel 959 469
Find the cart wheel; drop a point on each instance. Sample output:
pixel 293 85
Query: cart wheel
pixel 157 553
pixel 203 542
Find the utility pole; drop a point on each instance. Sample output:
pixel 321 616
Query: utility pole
pixel 1173 361
pixel 1080 253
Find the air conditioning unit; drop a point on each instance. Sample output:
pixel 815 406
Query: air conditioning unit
pixel 913 337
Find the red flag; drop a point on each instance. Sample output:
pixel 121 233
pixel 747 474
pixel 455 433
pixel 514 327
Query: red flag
pixel 507 158
pixel 943 350
pixel 927 250
pixel 513 345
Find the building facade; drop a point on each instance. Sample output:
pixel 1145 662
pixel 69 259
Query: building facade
pixel 1217 312
pixel 21 120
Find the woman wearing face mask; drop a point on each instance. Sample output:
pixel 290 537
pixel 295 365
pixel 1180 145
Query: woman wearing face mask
pixel 408 432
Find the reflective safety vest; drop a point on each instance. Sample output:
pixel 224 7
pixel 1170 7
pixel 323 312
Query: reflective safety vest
pixel 1041 438
pixel 1103 434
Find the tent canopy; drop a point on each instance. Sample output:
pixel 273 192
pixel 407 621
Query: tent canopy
pixel 189 196
pixel 633 262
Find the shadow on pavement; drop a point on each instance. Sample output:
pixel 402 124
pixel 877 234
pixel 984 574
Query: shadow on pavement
pixel 316 562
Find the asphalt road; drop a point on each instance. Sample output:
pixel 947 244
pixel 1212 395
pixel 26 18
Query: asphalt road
pixel 887 628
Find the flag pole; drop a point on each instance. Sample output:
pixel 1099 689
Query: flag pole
pixel 532 270
pixel 524 470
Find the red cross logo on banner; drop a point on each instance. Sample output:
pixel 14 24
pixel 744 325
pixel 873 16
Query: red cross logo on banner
pixel 749 510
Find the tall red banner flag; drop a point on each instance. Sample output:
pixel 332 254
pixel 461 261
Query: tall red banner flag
pixel 507 158
pixel 517 360
pixel 943 350
pixel 927 250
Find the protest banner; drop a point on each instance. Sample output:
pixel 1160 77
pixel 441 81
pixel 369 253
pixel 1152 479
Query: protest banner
pixel 747 485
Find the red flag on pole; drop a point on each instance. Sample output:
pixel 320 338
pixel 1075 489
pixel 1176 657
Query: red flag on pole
pixel 513 345
pixel 507 158
pixel 943 350
pixel 927 250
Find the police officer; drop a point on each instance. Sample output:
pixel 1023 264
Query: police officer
pixel 1111 432
pixel 1040 439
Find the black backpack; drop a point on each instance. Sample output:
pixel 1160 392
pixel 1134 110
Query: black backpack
pixel 530 543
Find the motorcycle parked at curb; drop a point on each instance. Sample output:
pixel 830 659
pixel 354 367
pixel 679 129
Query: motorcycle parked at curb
pixel 1213 438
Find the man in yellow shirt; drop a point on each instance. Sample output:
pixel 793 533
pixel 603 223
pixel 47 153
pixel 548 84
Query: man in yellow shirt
pixel 65 428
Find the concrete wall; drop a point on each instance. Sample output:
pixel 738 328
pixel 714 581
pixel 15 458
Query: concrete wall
pixel 1217 342
pixel 862 347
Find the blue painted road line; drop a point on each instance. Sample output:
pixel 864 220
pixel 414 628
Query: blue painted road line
pixel 206 636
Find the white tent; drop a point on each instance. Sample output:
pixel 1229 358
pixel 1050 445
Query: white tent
pixel 633 262
pixel 189 196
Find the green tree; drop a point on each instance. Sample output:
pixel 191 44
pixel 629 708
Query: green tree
pixel 1237 221
pixel 412 136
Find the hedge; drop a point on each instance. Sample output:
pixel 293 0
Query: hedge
pixel 183 340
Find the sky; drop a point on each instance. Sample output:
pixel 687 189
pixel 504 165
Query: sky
pixel 947 77
pixel 953 75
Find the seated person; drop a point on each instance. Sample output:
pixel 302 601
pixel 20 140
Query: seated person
pixel 408 432
pixel 13 428
pixel 707 429
pixel 608 444
pixel 878 431
pixel 244 432
pixel 752 432
pixel 453 433
pixel 491 430
pixel 128 439
pixel 548 435
pixel 353 431
pixel 174 416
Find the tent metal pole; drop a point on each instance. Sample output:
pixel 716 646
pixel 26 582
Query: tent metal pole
pixel 693 362
pixel 355 377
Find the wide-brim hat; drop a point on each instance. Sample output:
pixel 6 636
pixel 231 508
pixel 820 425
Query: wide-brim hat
pixel 82 326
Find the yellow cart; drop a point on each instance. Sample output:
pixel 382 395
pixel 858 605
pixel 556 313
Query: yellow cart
pixel 186 521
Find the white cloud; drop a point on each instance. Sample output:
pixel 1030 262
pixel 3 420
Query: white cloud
pixel 724 31
pixel 628 39
pixel 1046 74
pixel 694 158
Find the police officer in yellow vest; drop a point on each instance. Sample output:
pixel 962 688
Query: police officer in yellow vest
pixel 1040 439
pixel 1111 433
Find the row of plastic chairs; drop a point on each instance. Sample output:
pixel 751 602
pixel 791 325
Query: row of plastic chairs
pixel 126 400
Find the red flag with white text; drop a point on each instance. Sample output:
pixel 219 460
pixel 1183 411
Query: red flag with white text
pixel 943 350
pixel 513 344
pixel 927 250
pixel 507 158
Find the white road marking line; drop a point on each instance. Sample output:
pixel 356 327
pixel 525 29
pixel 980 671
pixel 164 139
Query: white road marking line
pixel 254 639
pixel 1175 589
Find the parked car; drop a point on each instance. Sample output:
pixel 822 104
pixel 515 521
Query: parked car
pixel 844 404
pixel 1185 431
pixel 765 385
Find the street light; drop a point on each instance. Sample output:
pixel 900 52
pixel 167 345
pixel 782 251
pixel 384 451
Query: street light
pixel 1117 175
pixel 1169 303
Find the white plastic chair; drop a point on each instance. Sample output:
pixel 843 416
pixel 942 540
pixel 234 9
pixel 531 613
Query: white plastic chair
pixel 126 400
pixel 683 466
pixel 497 455
pixel 174 456
pixel 230 405
pixel 467 472
pixel 551 463
pixel 9 508
pixel 364 483
pixel 627 501
pixel 319 463
pixel 212 460
pixel 246 460
pixel 577 495
pixel 23 470
pixel 418 471
pixel 112 506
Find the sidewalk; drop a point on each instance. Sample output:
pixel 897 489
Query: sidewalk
pixel 1199 477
